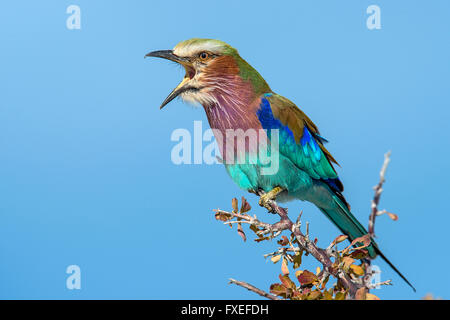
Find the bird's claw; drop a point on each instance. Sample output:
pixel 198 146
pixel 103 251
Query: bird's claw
pixel 264 201
pixel 266 198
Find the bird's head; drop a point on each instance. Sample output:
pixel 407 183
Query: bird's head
pixel 213 69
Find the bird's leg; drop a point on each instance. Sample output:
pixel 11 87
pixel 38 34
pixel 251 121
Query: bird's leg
pixel 264 199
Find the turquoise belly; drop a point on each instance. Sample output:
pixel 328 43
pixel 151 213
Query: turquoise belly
pixel 250 176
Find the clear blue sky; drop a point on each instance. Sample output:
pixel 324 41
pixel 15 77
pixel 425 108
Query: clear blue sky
pixel 85 170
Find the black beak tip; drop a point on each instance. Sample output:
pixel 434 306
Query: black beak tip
pixel 165 54
pixel 150 54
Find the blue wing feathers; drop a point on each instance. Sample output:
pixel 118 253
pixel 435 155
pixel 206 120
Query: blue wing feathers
pixel 268 121
pixel 306 154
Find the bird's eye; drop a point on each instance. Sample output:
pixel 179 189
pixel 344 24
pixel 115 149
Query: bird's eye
pixel 204 56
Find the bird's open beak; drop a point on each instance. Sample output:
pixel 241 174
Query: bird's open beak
pixel 190 72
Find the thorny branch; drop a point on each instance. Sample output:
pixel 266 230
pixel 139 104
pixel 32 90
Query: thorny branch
pixel 286 224
pixel 376 198
pixel 349 285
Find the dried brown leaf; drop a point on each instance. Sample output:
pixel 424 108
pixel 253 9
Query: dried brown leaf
pixel 394 217
pixel 314 295
pixel 370 296
pixel 359 254
pixel 262 239
pixel 234 204
pixel 284 267
pixel 339 239
pixel 254 228
pixel 287 282
pixel 283 241
pixel 346 262
pixel 222 216
pixel 298 259
pixel 241 232
pixel 276 258
pixel 278 289
pixel 357 270
pixel 362 242
pixel 245 206
pixel 307 277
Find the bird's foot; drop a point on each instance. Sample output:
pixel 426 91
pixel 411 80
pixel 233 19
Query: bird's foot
pixel 266 198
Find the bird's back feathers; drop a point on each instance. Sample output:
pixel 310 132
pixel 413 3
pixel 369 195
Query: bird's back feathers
pixel 301 143
pixel 299 138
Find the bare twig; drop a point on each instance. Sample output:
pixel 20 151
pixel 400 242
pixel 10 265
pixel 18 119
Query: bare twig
pixel 376 212
pixel 282 251
pixel 254 289
pixel 376 285
pixel 245 218
pixel 376 199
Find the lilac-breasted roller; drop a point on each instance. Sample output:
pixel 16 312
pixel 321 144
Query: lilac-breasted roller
pixel 236 97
